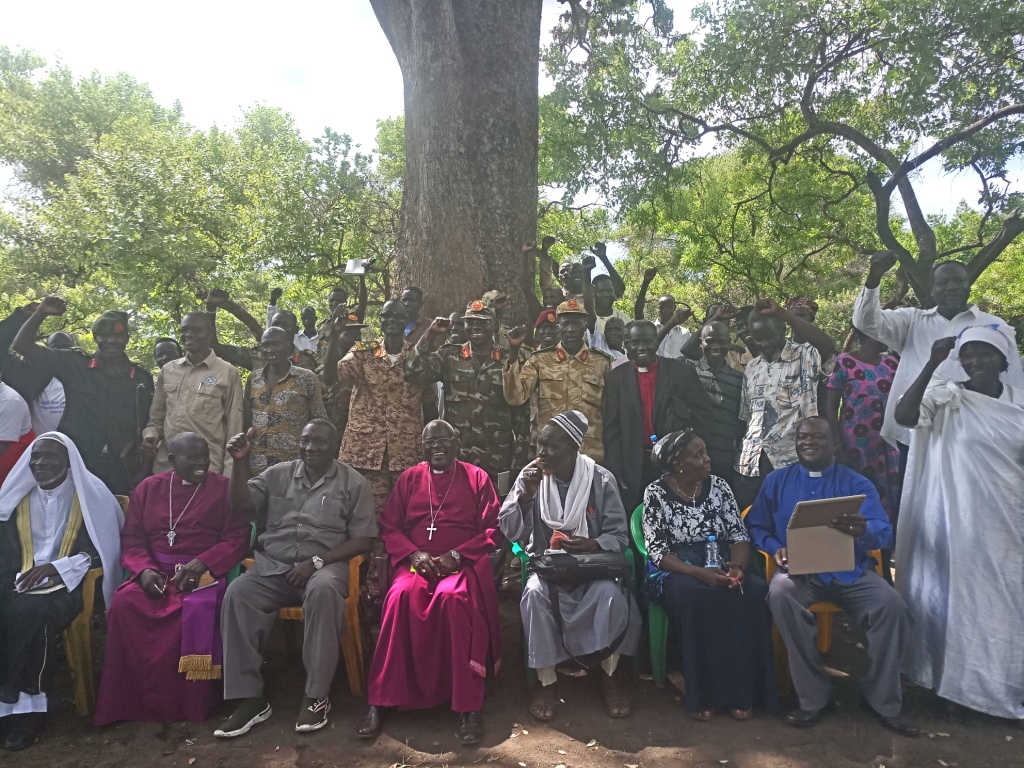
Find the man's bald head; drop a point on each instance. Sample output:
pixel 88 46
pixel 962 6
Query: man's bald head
pixel 184 442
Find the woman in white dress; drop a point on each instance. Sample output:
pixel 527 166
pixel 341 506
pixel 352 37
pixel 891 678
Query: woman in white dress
pixel 960 544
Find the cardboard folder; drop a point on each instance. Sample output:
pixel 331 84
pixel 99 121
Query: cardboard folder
pixel 812 544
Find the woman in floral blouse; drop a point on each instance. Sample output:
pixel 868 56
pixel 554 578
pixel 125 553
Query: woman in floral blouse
pixel 719 614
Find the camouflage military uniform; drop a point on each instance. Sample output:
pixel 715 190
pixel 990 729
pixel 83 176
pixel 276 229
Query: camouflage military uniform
pixel 565 382
pixel 385 417
pixel 473 402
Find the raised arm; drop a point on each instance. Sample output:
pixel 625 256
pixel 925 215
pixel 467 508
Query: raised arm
pixel 547 264
pixel 25 343
pixel 533 305
pixel 815 336
pixel 218 298
pixel 908 409
pixel 338 345
pixel 238 448
pixel 641 297
pixel 617 284
pixel 588 292
pixel 887 325
pixel 423 365
pixel 362 298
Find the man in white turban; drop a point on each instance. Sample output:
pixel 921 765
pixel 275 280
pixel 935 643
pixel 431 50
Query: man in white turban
pixel 564 500
pixel 57 520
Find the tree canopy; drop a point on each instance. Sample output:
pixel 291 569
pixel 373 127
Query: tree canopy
pixel 867 91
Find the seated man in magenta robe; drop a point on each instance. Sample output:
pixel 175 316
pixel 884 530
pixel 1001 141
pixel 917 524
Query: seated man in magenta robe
pixel 163 659
pixel 440 618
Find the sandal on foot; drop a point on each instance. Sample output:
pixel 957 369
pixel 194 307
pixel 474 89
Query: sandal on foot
pixel 702 715
pixel 741 714
pixel 471 730
pixel 617 703
pixel 542 703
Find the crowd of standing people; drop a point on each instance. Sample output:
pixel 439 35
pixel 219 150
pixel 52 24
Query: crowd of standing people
pixel 661 457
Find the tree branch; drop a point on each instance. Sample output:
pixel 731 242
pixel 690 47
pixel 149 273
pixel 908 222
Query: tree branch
pixel 1013 225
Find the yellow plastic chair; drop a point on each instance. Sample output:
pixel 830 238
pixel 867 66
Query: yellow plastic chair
pixel 352 638
pixel 823 613
pixel 78 640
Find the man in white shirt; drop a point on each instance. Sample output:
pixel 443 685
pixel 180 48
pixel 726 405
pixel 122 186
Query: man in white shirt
pixel 44 395
pixel 15 428
pixel 910 332
pixel 306 338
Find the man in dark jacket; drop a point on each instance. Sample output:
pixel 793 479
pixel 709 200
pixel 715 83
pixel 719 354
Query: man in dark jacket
pixel 644 401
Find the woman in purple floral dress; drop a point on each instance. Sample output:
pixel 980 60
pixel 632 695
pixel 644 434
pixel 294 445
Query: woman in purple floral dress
pixel 857 393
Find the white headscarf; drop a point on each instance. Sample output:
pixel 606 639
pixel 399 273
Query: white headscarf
pixel 101 512
pixel 570 517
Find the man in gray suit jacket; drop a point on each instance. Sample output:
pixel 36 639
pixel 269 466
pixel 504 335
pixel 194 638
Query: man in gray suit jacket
pixel 644 401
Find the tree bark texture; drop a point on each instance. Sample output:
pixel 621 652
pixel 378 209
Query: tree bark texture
pixel 471 123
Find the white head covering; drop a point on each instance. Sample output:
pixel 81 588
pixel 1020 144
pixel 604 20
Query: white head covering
pixel 993 334
pixel 100 510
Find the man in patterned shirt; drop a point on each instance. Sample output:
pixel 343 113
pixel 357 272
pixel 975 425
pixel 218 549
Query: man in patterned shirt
pixel 385 416
pixel 780 388
pixel 280 399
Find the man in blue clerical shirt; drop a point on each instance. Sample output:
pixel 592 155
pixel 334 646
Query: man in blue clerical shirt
pixel 862 593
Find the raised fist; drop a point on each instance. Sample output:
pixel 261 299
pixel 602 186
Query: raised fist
pixel 439 326
pixel 547 242
pixel 275 296
pixel 52 306
pixel 768 307
pixel 215 298
pixel 650 273
pixel 941 349
pixel 517 336
pixel 881 262
pixel 600 249
pixel 589 262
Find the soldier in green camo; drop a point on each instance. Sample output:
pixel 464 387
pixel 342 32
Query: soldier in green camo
pixel 474 401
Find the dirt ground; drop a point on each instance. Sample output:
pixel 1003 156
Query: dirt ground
pixel 658 733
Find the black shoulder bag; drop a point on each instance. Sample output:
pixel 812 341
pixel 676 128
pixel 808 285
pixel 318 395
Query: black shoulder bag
pixel 568 570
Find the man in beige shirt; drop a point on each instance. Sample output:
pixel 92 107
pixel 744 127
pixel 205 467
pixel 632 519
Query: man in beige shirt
pixel 197 393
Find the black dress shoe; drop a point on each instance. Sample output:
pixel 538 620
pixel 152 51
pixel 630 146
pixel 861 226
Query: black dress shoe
pixel 472 728
pixel 805 718
pixel 24 732
pixel 9 694
pixel 897 724
pixel 371 724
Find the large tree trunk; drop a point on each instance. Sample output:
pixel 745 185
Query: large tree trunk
pixel 471 122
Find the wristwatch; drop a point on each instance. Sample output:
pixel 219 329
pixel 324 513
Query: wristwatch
pixel 318 562
pixel 455 554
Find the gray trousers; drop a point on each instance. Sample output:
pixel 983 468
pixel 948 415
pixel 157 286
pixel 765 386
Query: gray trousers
pixel 248 614
pixel 873 604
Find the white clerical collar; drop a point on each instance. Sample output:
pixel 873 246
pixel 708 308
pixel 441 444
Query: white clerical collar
pixel 641 370
pixel 812 473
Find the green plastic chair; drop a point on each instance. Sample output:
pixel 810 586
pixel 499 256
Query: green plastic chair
pixel 524 562
pixel 657 619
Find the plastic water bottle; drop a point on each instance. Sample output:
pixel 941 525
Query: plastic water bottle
pixel 711 559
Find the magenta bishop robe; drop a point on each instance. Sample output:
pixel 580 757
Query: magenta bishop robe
pixel 141 680
pixel 435 638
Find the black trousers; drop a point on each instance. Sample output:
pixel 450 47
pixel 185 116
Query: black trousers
pixel 29 627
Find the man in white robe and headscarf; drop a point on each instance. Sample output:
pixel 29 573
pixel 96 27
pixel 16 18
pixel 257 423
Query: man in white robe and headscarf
pixel 57 520
pixel 564 500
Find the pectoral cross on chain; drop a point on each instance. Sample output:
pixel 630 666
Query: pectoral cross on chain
pixel 171 535
pixel 430 529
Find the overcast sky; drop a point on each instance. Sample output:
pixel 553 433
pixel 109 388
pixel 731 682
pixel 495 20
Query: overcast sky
pixel 326 63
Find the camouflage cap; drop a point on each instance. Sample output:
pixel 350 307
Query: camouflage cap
pixel 478 309
pixel 571 307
